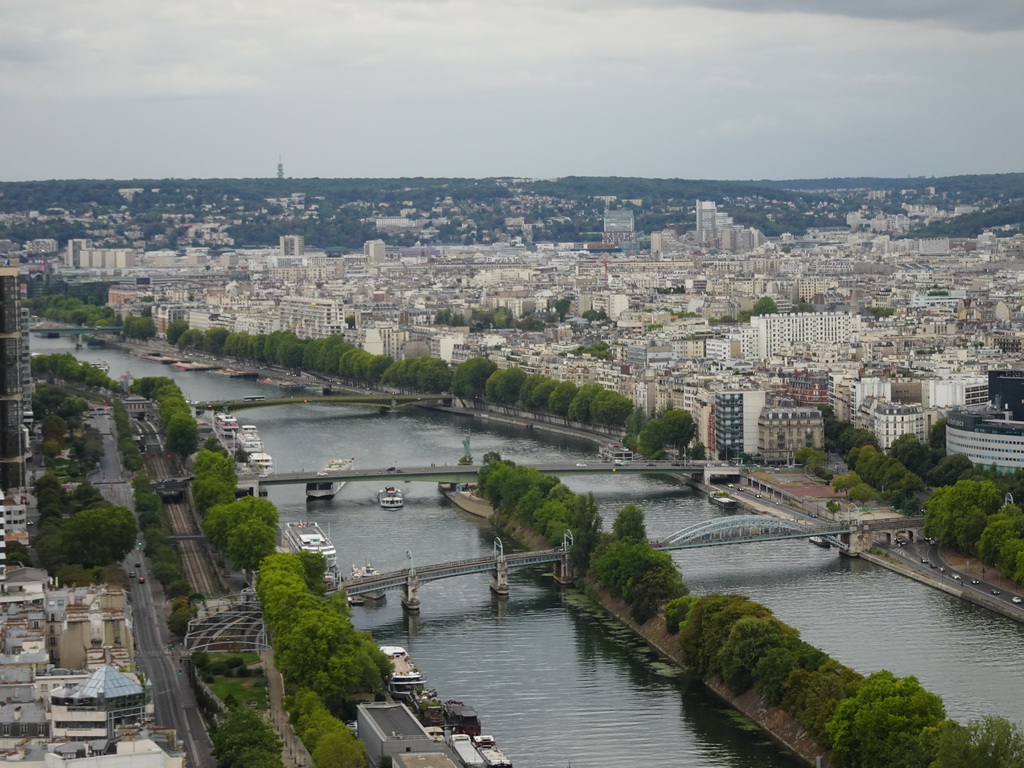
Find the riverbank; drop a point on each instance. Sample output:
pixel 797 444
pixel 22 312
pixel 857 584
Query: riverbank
pixel 776 723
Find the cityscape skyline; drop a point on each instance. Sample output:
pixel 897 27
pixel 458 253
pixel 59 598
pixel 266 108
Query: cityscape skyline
pixel 462 88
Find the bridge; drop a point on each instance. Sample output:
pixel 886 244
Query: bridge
pixel 459 473
pixel 79 329
pixel 376 400
pixel 733 529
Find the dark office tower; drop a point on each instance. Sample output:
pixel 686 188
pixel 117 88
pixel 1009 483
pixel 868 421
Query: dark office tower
pixel 12 466
pixel 1006 392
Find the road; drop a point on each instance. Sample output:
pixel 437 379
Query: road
pixel 173 700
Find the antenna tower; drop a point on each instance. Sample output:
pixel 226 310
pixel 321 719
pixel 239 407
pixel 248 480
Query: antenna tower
pixel 280 168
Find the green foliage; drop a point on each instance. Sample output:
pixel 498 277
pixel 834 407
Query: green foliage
pixel 315 645
pixel 598 351
pixel 957 514
pixel 630 524
pixel 677 611
pixel 65 368
pixel 243 739
pixel 98 537
pixel 138 327
pixel 765 306
pixel 175 330
pixel 884 722
pixel 215 480
pixel 674 429
pixel 810 458
pixel 991 741
pixel 74 311
pixel 470 378
pixel 245 530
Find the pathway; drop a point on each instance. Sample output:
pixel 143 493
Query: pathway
pixel 293 754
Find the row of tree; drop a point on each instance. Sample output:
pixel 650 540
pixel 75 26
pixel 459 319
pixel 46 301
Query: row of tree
pixel 63 368
pixel 244 739
pixel 131 456
pixel 179 426
pixel 881 721
pixel 73 311
pixel 973 517
pixel 142 328
pixel 315 645
pixel 245 530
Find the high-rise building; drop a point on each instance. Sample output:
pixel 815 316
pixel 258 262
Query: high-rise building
pixel 293 245
pixel 618 225
pixel 375 251
pixel 74 250
pixel 706 212
pixel 12 467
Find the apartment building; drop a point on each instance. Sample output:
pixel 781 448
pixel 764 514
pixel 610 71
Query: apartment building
pixel 12 441
pixel 737 412
pixel 782 430
pixel 824 328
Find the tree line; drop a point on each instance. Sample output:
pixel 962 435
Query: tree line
pixel 72 310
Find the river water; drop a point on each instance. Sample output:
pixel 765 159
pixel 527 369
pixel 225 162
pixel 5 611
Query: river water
pixel 552 678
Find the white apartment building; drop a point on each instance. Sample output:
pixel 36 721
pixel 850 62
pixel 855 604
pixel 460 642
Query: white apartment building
pixel 823 328
pixel 890 421
pixel 312 318
pixel 962 390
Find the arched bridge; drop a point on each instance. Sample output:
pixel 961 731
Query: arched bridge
pixel 743 529
pixel 370 399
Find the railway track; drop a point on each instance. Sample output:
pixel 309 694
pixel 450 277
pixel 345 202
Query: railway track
pixel 196 560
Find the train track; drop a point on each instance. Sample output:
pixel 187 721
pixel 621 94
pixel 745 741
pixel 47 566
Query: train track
pixel 196 559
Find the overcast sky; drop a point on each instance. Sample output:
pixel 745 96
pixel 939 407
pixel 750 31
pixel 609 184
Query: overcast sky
pixel 668 88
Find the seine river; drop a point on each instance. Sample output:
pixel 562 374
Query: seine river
pixel 552 678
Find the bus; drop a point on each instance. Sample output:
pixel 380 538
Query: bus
pixel 254 398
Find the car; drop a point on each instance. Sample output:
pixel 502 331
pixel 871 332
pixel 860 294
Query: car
pixel 975 581
pixel 390 469
pixel 757 495
pixel 651 464
pixel 142 579
pixel 677 463
pixel 924 559
pixel 1015 600
pixel 996 592
pixel 942 570
pixel 321 473
pixel 956 577
pixel 581 464
pixel 931 565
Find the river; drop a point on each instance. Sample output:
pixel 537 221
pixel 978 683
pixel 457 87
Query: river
pixel 552 678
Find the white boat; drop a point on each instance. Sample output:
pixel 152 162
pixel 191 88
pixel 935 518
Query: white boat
pixel 306 536
pixel 494 757
pixel 390 498
pixel 328 487
pixel 405 680
pixel 249 439
pixel 103 365
pixel 361 572
pixel 262 462
pixel 226 422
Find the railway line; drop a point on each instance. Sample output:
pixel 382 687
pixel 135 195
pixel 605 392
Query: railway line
pixel 196 558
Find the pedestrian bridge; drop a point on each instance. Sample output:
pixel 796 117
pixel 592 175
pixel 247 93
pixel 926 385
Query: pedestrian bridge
pixel 376 400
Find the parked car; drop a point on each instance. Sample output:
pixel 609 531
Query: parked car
pixel 1015 599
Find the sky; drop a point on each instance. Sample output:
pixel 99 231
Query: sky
pixel 723 89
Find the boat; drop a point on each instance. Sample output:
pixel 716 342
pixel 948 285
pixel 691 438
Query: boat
pixel 615 452
pixel 328 487
pixel 820 541
pixel 405 680
pixel 494 757
pixel 464 750
pixel 262 462
pixel 102 365
pixel 226 422
pixel 307 536
pixel 361 572
pixel 390 498
pixel 723 499
pixel 461 718
pixel 249 439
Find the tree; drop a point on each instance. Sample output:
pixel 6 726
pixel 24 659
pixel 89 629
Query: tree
pixel 630 524
pixel 810 458
pixel 96 537
pixel 765 306
pixel 470 378
pixel 585 524
pixel 991 741
pixel 175 330
pixel 182 434
pixel 340 749
pixel 561 398
pixel 562 307
pixel 249 542
pixel 882 723
pixel 242 739
pixel 949 469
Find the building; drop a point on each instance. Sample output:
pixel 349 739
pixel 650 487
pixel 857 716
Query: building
pixel 73 252
pixel 12 460
pixel 293 245
pixel 890 421
pixel 618 225
pixel 736 422
pixel 389 729
pixel 707 213
pixel 784 430
pixel 375 251
pixel 93 709
pixel 988 436
pixel 833 329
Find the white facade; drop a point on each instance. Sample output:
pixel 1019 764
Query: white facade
pixel 312 318
pixel 818 328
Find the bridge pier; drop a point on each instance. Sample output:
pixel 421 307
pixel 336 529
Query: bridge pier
pixel 411 594
pixel 499 582
pixel 563 571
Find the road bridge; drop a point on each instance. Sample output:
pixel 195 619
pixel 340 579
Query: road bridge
pixel 456 473
pixel 375 400
pixel 75 329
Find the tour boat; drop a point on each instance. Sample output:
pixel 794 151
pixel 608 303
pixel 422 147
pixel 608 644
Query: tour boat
pixel 390 498
pixel 405 679
pixel 226 422
pixel 327 487
pixel 263 462
pixel 307 536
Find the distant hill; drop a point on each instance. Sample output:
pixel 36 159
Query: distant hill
pixel 992 186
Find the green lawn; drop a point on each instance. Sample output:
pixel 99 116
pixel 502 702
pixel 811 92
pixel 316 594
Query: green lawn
pixel 241 688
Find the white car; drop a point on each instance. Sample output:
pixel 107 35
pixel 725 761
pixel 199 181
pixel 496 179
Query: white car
pixel 1015 599
pixel 580 464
